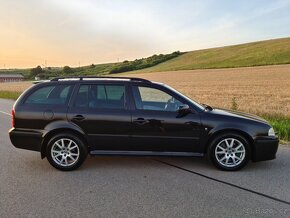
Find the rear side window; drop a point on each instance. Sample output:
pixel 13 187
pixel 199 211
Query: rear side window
pixel 50 95
pixel 101 96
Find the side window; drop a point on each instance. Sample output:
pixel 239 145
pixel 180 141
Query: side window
pixel 82 98
pixel 147 98
pixel 50 95
pixel 101 96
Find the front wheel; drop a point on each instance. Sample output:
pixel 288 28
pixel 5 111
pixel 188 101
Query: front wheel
pixel 66 152
pixel 229 151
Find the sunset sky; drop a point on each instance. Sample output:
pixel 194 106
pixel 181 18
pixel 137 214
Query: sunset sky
pixel 82 32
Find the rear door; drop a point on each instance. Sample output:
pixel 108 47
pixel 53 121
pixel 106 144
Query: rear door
pixel 101 110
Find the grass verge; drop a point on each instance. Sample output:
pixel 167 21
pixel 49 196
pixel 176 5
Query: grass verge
pixel 281 125
pixel 9 95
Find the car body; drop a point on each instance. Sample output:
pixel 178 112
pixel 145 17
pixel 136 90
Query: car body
pixel 132 116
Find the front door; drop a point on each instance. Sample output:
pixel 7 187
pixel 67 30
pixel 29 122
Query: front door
pixel 101 110
pixel 157 124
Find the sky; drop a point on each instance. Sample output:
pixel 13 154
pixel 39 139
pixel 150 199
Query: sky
pixel 83 32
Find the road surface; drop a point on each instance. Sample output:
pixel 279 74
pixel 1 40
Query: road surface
pixel 138 186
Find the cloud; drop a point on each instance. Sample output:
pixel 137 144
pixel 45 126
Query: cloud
pixel 92 31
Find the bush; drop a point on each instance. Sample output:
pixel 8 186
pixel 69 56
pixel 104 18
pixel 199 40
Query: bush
pixel 67 70
pixel 138 64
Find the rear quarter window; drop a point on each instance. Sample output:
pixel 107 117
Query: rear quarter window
pixel 50 95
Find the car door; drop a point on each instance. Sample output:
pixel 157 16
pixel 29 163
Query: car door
pixel 157 126
pixel 101 111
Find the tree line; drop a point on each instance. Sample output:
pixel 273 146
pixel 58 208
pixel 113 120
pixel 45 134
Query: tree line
pixel 143 62
pixel 125 66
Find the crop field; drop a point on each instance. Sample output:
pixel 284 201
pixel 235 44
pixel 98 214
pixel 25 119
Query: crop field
pixel 15 86
pixel 263 90
pixel 258 90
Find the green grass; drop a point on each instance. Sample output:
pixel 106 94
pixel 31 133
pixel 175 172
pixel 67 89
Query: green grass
pixel 269 52
pixel 280 124
pixel 9 95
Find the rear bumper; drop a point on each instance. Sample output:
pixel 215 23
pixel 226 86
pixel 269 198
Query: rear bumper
pixel 29 140
pixel 265 148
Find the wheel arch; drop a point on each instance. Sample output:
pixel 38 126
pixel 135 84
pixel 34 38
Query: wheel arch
pixel 246 135
pixel 67 128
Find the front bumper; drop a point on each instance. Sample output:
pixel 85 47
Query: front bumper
pixel 265 148
pixel 24 139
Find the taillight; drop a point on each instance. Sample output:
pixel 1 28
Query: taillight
pixel 13 118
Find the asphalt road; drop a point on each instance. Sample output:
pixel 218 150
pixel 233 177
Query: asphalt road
pixel 138 186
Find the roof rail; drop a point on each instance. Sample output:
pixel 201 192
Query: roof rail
pixel 100 77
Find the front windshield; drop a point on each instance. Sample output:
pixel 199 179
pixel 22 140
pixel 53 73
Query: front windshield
pixel 187 98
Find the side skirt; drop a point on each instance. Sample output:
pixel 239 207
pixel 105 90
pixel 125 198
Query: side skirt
pixel 145 153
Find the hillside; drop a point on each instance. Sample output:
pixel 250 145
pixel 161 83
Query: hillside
pixel 269 52
pixel 93 69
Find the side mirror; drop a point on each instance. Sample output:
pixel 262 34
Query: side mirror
pixel 183 109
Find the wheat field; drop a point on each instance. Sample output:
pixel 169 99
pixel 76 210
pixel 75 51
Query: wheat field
pixel 258 90
pixel 15 86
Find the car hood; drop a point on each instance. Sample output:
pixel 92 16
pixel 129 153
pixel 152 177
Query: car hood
pixel 238 114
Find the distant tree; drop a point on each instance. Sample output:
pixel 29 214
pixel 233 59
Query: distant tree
pixel 35 71
pixel 67 70
pixel 93 66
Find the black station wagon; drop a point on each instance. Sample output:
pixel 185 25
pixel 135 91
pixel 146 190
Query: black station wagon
pixel 66 118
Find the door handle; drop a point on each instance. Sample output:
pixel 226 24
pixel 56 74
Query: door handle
pixel 78 118
pixel 140 121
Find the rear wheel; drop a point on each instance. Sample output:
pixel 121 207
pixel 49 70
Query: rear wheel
pixel 229 151
pixel 66 152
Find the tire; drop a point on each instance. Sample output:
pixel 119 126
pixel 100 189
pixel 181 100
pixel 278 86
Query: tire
pixel 229 151
pixel 66 151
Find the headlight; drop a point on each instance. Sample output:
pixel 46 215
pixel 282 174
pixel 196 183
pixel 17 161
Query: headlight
pixel 271 132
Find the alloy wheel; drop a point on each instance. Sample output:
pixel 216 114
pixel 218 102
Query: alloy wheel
pixel 65 152
pixel 230 152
